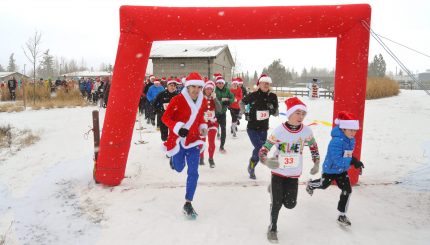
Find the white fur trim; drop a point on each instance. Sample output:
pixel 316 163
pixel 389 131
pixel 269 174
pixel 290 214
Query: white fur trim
pixel 213 128
pixel 265 80
pixel 235 82
pixel 195 83
pixel 295 108
pixel 203 126
pixel 194 106
pixel 220 81
pixel 178 126
pixel 336 121
pixel 349 124
pixel 209 86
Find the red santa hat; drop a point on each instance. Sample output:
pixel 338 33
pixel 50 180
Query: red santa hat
pixel 172 80
pixel 194 79
pixel 217 75
pixel 294 104
pixel 220 80
pixel 157 81
pixel 264 78
pixel 209 84
pixel 347 120
pixel 151 76
pixel 239 80
pixel 178 81
pixel 235 81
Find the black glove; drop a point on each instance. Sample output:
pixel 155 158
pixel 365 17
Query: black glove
pixel 271 108
pixel 247 116
pixel 183 132
pixel 357 164
pixel 226 102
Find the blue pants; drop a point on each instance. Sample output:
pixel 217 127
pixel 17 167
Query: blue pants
pixel 258 138
pixel 192 157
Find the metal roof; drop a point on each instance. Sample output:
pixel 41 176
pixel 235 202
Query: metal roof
pixel 87 74
pixel 8 73
pixel 186 51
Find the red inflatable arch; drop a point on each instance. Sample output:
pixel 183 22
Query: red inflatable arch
pixel 141 26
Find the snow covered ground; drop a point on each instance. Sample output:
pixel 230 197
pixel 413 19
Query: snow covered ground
pixel 47 195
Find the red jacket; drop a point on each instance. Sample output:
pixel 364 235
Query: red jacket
pixel 209 113
pixel 238 95
pixel 183 112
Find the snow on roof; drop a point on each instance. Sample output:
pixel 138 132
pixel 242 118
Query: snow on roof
pixel 186 51
pixel 88 74
pixel 7 73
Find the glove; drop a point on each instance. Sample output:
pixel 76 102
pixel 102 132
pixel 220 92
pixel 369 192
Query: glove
pixel 262 154
pixel 203 132
pixel 226 102
pixel 356 163
pixel 271 108
pixel 272 163
pixel 315 168
pixel 183 132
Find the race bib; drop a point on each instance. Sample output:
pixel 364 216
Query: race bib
pixel 347 153
pixel 165 105
pixel 288 160
pixel 262 115
pixel 209 115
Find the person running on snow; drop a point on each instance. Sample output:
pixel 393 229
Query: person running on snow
pixel 160 104
pixel 240 85
pixel 153 91
pixel 261 105
pixel 338 161
pixel 289 138
pixel 235 106
pixel 148 108
pixel 184 117
pixel 210 109
pixel 11 85
pixel 225 97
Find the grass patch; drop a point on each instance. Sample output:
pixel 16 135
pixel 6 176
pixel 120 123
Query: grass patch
pixel 381 87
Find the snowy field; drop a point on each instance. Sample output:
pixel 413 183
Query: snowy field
pixel 47 195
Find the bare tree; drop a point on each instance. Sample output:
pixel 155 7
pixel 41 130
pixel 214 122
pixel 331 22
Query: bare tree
pixel 33 53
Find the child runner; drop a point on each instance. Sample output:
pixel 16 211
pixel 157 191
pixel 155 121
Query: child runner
pixel 337 162
pixel 289 138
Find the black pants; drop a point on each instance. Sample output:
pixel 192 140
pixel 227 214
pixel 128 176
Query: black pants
pixel 142 104
pixel 12 94
pixel 342 181
pixel 164 130
pixel 159 115
pixel 234 115
pixel 283 192
pixel 148 109
pixel 222 121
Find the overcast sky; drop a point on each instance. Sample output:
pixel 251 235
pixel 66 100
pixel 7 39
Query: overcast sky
pixel 89 29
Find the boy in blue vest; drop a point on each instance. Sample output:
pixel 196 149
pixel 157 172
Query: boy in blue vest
pixel 338 160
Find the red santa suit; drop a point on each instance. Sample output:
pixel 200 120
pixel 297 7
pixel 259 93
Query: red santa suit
pixel 183 112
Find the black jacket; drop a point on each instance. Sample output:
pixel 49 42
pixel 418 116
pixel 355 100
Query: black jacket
pixel 11 84
pixel 161 99
pixel 260 101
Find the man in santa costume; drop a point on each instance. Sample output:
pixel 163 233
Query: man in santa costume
pixel 184 116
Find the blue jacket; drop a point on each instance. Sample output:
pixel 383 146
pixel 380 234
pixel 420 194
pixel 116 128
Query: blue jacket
pixel 339 153
pixel 153 91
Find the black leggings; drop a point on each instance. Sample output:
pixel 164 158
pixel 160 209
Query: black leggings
pixel 342 181
pixel 283 192
pixel 222 121
pixel 234 115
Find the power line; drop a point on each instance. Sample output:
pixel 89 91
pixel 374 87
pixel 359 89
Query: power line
pixel 416 51
pixel 391 53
